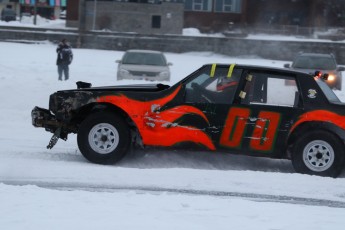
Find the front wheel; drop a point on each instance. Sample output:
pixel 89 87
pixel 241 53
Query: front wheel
pixel 318 153
pixel 103 138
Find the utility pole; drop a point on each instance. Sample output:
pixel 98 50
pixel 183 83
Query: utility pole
pixel 82 22
pixel 94 14
pixel 35 12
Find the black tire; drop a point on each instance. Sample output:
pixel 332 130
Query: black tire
pixel 103 138
pixel 319 153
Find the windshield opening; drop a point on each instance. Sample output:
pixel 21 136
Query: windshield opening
pixel 319 63
pixel 133 58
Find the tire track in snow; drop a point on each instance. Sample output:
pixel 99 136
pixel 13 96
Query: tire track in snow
pixel 65 186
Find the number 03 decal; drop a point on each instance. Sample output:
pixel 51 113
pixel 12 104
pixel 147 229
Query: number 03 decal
pixel 264 132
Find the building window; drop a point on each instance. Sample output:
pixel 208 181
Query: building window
pixel 156 21
pixel 198 5
pixel 228 6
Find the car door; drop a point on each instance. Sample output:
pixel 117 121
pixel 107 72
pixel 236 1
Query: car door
pixel 269 103
pixel 212 90
pixel 254 116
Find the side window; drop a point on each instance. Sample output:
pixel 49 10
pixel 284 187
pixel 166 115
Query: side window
pixel 213 85
pixel 270 89
pixel 279 93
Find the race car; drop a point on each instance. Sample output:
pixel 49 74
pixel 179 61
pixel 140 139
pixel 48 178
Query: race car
pixel 240 109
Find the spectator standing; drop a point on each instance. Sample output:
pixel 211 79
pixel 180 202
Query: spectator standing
pixel 64 59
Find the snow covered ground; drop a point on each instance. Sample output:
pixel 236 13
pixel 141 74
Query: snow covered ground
pixel 28 21
pixel 59 189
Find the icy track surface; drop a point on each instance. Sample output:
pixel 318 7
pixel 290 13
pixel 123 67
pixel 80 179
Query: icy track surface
pixel 59 189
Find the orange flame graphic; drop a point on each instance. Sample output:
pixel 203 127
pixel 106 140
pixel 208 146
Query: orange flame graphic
pixel 157 127
pixel 321 115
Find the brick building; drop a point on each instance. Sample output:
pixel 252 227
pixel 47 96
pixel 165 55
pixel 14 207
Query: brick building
pixel 45 8
pixel 153 16
pixel 146 18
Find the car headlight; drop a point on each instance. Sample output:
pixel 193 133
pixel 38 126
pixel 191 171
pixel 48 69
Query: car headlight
pixel 124 73
pixel 331 78
pixel 164 74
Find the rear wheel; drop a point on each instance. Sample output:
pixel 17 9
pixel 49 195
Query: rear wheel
pixel 318 153
pixel 103 138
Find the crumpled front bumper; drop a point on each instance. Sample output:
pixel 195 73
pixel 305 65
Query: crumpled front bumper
pixel 44 118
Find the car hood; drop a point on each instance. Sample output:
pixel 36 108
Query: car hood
pixel 143 68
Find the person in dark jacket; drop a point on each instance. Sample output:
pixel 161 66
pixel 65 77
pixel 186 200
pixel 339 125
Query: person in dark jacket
pixel 64 59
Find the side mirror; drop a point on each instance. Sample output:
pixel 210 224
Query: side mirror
pixel 286 65
pixel 340 68
pixel 325 76
pixel 118 61
pixel 169 64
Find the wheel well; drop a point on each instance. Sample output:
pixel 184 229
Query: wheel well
pixel 86 110
pixel 308 126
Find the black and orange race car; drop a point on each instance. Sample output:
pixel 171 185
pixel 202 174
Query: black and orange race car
pixel 258 111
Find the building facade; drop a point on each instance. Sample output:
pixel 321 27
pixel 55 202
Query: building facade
pixel 154 16
pixel 213 15
pixel 10 4
pixel 309 13
pixel 138 17
pixel 45 8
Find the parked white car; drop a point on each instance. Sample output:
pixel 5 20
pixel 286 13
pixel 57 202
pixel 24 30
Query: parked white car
pixel 143 65
pixel 326 63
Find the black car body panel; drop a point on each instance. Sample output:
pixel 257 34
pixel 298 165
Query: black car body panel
pixel 232 108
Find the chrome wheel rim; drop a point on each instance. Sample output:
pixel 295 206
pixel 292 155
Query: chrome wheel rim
pixel 318 155
pixel 103 138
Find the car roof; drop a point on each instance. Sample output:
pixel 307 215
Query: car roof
pixel 143 51
pixel 315 55
pixel 265 68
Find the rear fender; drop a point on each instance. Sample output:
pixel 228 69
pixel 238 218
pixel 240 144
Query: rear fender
pixel 309 127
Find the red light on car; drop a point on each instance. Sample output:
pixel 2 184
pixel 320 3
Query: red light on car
pixel 318 74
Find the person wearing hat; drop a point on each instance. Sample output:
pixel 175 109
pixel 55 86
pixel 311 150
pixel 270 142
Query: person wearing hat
pixel 64 59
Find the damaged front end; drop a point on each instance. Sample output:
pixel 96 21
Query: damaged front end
pixel 58 119
pixel 45 119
